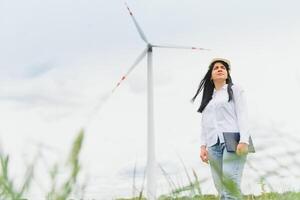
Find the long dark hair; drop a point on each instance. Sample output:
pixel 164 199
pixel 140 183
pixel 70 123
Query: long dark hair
pixel 207 85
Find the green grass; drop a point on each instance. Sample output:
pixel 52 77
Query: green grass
pixel 60 189
pixel 66 188
pixel 266 196
pixel 194 190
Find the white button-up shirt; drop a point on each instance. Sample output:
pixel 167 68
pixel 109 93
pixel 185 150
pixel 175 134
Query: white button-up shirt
pixel 222 116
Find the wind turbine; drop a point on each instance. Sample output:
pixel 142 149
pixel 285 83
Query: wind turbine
pixel 151 162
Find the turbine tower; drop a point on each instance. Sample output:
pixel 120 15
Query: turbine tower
pixel 151 161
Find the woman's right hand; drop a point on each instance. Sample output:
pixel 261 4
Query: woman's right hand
pixel 204 154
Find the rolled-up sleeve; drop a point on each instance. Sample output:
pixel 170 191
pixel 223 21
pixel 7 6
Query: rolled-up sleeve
pixel 242 113
pixel 203 141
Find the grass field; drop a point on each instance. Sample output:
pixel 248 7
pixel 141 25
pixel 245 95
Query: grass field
pixel 68 187
pixel 266 196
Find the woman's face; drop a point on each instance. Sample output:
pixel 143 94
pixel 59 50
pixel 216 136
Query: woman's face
pixel 219 72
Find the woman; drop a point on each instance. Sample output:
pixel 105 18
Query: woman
pixel 223 109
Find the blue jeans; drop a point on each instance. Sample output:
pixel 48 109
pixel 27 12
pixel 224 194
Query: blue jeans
pixel 227 169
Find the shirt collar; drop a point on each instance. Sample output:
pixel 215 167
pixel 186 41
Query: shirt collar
pixel 224 87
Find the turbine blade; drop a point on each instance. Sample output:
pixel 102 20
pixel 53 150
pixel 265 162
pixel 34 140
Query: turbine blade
pixel 179 47
pixel 137 25
pixel 104 98
pixel 137 61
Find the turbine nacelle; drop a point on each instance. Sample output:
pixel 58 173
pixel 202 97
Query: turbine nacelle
pixel 149 47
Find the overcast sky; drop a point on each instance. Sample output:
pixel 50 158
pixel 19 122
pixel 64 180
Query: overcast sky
pixel 60 59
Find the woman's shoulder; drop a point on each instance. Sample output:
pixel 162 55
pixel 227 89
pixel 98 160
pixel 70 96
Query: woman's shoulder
pixel 237 88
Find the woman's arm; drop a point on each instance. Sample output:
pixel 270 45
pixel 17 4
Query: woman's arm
pixel 203 134
pixel 242 113
pixel 203 144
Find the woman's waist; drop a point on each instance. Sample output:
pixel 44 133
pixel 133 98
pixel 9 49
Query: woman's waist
pixel 223 127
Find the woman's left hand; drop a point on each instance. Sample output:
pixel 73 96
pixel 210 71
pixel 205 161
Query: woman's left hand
pixel 242 149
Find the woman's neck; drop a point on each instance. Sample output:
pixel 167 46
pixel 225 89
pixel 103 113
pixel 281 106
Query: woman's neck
pixel 219 84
